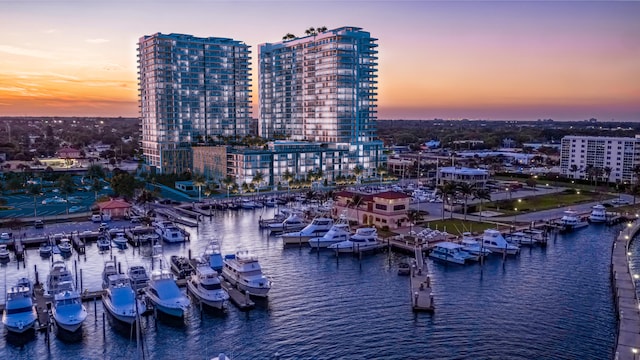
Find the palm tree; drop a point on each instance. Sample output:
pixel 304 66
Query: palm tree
pixel 66 186
pixel 574 169
pixel 95 171
pixel 636 173
pixel 607 172
pixel 95 187
pixel 288 36
pixel 144 198
pixel 465 190
pixel 310 31
pixel 35 191
pixel 482 194
pixel 413 216
pixel 355 200
pixel 321 29
pixel 199 181
pixel 228 182
pixel 258 178
pixel 382 171
pixel 447 189
pixel 357 171
pixel 589 171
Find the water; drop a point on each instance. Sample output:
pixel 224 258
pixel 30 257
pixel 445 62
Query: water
pixel 552 303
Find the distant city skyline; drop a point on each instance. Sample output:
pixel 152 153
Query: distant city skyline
pixel 515 60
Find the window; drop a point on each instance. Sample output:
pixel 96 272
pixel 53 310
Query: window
pixel 381 207
pixel 398 207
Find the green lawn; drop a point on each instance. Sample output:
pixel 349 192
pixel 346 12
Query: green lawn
pixel 544 202
pixel 457 226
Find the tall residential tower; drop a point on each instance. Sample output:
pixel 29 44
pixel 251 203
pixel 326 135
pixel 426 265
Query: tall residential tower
pixel 192 90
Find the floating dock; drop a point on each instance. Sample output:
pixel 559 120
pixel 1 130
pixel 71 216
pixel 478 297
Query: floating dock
pixel 420 284
pixel 239 299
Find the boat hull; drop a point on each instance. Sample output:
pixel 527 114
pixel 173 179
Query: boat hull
pixel 127 319
pixel 252 290
pixel 296 240
pixel 319 244
pixel 450 259
pixel 213 302
pixel 22 325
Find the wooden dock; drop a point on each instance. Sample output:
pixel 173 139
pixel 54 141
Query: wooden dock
pixel 239 299
pixel 420 284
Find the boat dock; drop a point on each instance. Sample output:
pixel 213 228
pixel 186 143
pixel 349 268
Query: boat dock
pixel 242 301
pixel 420 284
pixel 173 216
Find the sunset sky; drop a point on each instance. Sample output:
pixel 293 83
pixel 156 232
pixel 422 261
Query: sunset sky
pixel 516 60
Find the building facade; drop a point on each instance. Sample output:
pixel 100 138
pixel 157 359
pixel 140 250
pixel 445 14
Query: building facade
pixel 385 209
pixel 610 159
pixel 322 88
pixel 475 177
pixel 191 90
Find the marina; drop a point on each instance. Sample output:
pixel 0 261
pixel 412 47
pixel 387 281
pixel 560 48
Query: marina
pixel 515 289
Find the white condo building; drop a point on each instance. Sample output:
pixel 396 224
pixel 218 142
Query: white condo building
pixel 322 88
pixel 617 154
pixel 192 90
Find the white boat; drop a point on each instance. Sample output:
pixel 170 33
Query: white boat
pixel 243 271
pixel 221 356
pixel 45 249
pixel 291 223
pixel 473 246
pixel 213 256
pixel 270 202
pixel 248 204
pixel 571 221
pixel 57 275
pixel 103 243
pixel 65 246
pixel 205 285
pixel 68 310
pixel 120 300
pixel 19 314
pixel 4 253
pixel 451 252
pixel 364 239
pixel 5 237
pixel 520 238
pixel 339 232
pixel 598 214
pixel 493 240
pixel 165 294
pixel 138 277
pixel 108 270
pixel 168 231
pixel 318 227
pixel 120 240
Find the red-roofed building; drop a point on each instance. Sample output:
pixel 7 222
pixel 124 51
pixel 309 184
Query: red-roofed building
pixel 387 208
pixel 68 153
pixel 116 208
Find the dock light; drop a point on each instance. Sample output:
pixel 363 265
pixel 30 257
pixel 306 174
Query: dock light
pixel 626 237
pixel 547 184
pixel 629 224
pixel 636 276
pixel 578 192
pixel 519 200
pixel 635 352
pixel 629 254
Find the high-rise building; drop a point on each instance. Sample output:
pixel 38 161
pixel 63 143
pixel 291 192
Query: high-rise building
pixel 192 90
pixel 322 88
pixel 605 158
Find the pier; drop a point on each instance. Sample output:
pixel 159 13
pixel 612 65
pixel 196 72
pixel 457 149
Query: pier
pixel 241 300
pixel 420 284
pixel 625 296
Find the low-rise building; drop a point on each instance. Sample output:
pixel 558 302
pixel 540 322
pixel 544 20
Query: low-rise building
pixel 385 209
pixel 476 177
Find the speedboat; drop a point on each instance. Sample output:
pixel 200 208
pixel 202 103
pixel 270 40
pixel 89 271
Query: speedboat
pixel 205 285
pixel 339 232
pixel 68 310
pixel 103 243
pixel 4 253
pixel 520 238
pixel 493 240
pixel 451 252
pixel 291 223
pixel 65 246
pixel 213 256
pixel 243 271
pixel 249 205
pixel 472 246
pixel 165 294
pixel 138 277
pixel 364 239
pixel 168 231
pixel 120 240
pixel 57 275
pixel 181 266
pixel 318 227
pixel 598 214
pixel 404 268
pixel 571 221
pixel 120 300
pixel 108 270
pixel 45 249
pixel 19 314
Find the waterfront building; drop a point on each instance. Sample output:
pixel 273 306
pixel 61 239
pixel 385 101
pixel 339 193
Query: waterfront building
pixel 476 177
pixel 322 88
pixel 619 155
pixel 191 90
pixel 384 209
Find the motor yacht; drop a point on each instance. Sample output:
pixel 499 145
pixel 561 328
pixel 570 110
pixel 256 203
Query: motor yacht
pixel 205 285
pixel 520 238
pixel 291 223
pixel 181 266
pixel 119 240
pixel 103 243
pixel 473 246
pixel 165 294
pixel 243 271
pixel 249 205
pixel 318 227
pixel 5 256
pixel 45 249
pixel 120 300
pixel 58 274
pixel 65 246
pixel 19 314
pixel 571 221
pixel 138 277
pixel 493 240
pixel 598 214
pixel 108 270
pixel 213 256
pixel 68 310
pixel 169 232
pixel 451 252
pixel 339 232
pixel 364 239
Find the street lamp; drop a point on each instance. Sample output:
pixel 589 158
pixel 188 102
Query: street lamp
pixel 228 188
pixel 515 216
pixel 635 352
